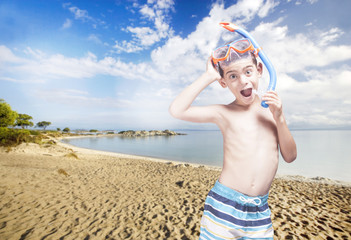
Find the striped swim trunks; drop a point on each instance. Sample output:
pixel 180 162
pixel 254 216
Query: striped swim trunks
pixel 229 214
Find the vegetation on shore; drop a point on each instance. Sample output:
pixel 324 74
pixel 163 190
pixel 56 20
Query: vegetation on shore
pixel 12 136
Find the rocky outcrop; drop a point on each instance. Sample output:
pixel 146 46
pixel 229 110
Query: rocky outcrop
pixel 132 133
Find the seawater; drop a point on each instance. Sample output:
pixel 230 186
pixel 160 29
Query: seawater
pixel 320 153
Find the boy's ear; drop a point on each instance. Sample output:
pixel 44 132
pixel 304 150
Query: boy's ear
pixel 222 83
pixel 260 69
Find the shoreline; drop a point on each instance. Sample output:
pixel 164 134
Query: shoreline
pixel 55 191
pixel 116 154
pixel 131 156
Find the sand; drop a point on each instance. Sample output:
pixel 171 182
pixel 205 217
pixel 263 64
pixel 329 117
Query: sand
pixel 48 193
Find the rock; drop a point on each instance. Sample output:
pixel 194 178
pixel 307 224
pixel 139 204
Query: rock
pixel 180 183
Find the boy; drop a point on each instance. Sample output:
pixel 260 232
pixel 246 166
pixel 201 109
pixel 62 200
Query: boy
pixel 236 207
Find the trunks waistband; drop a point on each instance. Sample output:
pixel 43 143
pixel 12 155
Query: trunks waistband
pixel 230 193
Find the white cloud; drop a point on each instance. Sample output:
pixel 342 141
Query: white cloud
pixel 162 4
pixel 78 98
pixel 330 36
pixel 58 66
pixel 312 1
pixel 67 24
pixel 267 8
pixel 9 79
pixel 147 12
pixel 34 53
pixel 128 47
pixel 145 35
pixel 82 15
pixel 299 2
pixel 6 55
pixel 94 38
pixel 156 12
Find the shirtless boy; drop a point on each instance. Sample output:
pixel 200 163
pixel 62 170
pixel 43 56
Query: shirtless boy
pixel 236 207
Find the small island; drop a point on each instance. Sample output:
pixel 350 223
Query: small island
pixel 143 133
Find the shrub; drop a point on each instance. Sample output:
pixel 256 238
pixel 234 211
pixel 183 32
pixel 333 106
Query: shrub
pixel 53 133
pixel 10 137
pixel 7 116
pixel 34 132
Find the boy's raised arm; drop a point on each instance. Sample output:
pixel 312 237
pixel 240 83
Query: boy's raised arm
pixel 181 107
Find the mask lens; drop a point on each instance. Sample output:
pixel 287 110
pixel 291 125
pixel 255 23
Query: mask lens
pixel 220 52
pixel 241 45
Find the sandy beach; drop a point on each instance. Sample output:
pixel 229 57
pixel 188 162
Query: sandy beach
pixel 57 191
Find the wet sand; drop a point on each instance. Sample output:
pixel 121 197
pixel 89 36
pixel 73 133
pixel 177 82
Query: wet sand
pixel 64 192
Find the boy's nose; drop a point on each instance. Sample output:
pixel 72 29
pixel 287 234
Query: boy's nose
pixel 244 79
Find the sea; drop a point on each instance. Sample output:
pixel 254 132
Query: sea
pixel 321 153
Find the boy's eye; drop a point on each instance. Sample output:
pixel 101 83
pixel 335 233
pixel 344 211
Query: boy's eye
pixel 248 72
pixel 232 77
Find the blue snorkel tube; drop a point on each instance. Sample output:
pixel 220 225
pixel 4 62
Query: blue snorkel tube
pixel 272 74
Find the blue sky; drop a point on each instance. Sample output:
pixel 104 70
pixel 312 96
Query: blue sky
pixel 119 64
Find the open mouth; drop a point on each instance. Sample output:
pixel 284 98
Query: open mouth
pixel 246 92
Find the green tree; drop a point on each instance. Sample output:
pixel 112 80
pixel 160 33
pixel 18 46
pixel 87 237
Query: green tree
pixel 58 129
pixel 43 124
pixel 66 129
pixel 23 121
pixel 7 116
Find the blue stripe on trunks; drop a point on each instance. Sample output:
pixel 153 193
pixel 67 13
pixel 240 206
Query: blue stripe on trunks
pixel 224 207
pixel 236 221
pixel 238 206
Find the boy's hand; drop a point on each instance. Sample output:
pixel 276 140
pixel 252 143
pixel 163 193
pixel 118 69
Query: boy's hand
pixel 211 71
pixel 275 104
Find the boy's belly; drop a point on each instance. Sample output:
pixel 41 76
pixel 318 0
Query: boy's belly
pixel 252 177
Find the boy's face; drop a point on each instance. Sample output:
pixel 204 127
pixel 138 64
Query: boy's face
pixel 241 77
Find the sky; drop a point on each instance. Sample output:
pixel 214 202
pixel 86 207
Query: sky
pixel 119 64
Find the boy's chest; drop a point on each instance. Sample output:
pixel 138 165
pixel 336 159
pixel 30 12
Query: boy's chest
pixel 249 124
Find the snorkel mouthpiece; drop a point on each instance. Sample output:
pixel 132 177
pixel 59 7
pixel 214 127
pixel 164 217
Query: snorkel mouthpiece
pixel 272 74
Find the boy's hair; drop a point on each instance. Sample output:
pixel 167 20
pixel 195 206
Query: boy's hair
pixel 221 72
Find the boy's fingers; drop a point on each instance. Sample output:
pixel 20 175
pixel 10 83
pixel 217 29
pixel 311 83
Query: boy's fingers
pixel 270 96
pixel 267 98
